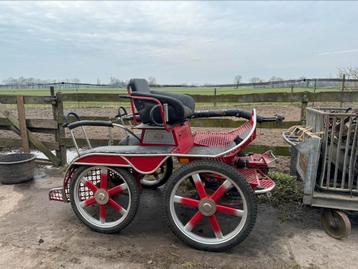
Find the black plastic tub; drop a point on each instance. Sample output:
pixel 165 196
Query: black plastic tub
pixel 16 168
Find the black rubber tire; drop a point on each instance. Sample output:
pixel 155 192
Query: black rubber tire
pixel 132 187
pixel 233 174
pixel 335 223
pixel 164 179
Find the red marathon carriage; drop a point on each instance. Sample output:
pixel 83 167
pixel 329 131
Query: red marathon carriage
pixel 209 200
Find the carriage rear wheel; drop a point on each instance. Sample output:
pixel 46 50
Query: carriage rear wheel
pixel 209 205
pixel 104 198
pixel 159 177
pixel 335 223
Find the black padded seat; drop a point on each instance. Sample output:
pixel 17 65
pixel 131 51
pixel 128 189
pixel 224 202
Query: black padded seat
pixel 180 106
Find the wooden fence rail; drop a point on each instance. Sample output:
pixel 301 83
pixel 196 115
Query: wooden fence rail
pixel 333 96
pixel 54 126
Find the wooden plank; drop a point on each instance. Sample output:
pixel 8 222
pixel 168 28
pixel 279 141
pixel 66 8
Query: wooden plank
pixel 11 99
pixel 91 97
pixel 34 141
pixel 7 99
pixel 335 96
pixel 22 124
pixel 49 124
pixel 10 143
pixel 33 124
pixel 38 100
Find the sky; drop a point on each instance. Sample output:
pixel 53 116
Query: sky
pixel 177 42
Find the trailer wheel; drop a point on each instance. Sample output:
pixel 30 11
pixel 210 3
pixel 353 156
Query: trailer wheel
pixel 159 177
pixel 335 223
pixel 104 198
pixel 203 215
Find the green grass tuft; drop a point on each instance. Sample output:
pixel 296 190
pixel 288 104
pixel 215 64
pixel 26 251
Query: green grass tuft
pixel 288 190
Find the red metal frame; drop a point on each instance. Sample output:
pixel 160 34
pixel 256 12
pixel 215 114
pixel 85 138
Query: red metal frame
pixel 145 98
pixel 184 141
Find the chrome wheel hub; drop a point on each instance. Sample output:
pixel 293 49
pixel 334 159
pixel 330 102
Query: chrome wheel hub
pixel 102 197
pixel 207 207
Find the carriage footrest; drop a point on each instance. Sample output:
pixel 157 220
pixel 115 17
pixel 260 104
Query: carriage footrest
pixel 259 181
pixel 258 161
pixel 56 194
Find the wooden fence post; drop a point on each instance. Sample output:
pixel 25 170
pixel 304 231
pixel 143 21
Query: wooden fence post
pixel 314 90
pixel 291 96
pixel 304 104
pixel 214 97
pixel 342 89
pixel 58 114
pixel 22 124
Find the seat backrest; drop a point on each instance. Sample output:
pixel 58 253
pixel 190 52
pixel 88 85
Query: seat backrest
pixel 180 106
pixel 139 85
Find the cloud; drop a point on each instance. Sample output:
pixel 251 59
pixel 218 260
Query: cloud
pixel 175 41
pixel 347 51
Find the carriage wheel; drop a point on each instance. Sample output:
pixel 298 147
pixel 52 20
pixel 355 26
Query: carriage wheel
pixel 159 177
pixel 105 199
pixel 208 216
pixel 335 223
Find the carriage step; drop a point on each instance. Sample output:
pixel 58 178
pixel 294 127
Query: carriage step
pixel 56 194
pixel 259 181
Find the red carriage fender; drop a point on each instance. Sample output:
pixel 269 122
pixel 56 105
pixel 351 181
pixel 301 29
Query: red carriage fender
pixel 141 164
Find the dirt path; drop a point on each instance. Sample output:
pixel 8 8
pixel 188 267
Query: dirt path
pixel 36 233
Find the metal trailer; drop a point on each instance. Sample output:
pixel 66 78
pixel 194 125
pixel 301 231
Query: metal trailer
pixel 327 162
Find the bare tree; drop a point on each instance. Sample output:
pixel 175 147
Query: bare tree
pixel 152 81
pixel 274 78
pixel 116 82
pixel 237 80
pixel 255 80
pixel 350 72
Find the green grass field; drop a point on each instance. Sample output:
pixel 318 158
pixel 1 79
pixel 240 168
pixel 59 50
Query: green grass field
pixel 193 91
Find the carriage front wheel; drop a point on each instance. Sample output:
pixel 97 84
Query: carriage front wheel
pixel 104 198
pixel 209 205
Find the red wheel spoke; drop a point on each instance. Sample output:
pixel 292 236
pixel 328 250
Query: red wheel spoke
pixel 193 221
pixel 104 179
pixel 117 189
pixel 90 185
pixel 221 190
pixel 229 210
pixel 116 206
pixel 102 213
pixel 88 202
pixel 186 201
pixel 199 186
pixel 215 226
